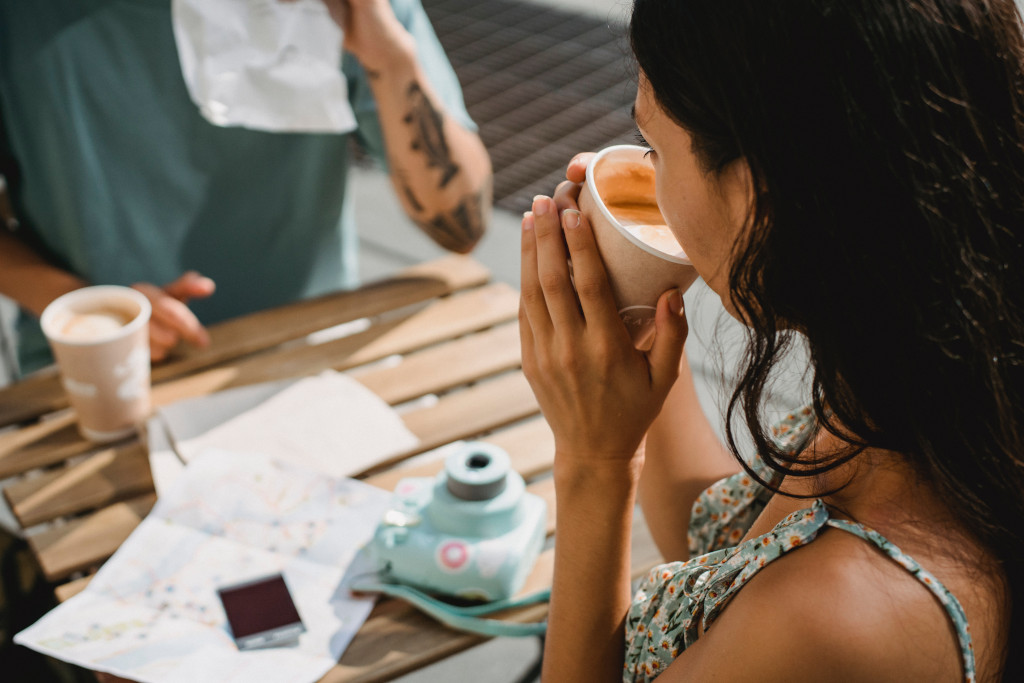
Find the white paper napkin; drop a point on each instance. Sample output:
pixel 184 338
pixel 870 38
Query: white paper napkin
pixel 329 423
pixel 263 64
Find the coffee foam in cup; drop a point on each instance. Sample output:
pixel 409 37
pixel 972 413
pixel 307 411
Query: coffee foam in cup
pixel 92 326
pixel 627 189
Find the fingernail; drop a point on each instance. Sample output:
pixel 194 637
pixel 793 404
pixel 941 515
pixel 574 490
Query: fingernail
pixel 571 219
pixel 540 205
pixel 676 301
pixel 527 221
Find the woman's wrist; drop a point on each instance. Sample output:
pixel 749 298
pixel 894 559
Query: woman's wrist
pixel 597 475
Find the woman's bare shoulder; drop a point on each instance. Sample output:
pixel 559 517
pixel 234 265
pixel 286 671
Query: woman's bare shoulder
pixel 836 609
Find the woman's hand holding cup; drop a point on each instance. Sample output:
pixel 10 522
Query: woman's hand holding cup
pixel 598 392
pixel 568 190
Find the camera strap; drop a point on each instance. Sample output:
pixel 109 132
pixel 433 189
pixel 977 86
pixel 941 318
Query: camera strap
pixel 467 618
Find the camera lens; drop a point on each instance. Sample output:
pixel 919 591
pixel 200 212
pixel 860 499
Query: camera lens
pixel 478 472
pixel 478 461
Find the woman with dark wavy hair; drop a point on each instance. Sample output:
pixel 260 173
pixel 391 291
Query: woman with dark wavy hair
pixel 849 175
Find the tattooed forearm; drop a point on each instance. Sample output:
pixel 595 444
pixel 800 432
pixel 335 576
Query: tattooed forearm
pixel 460 228
pixel 456 228
pixel 428 133
pixel 406 190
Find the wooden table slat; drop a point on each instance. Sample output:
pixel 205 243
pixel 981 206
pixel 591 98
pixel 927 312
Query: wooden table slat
pixel 443 319
pixel 530 444
pixel 85 542
pixel 68 590
pixel 45 443
pixel 264 329
pixel 465 414
pixel 106 477
pixel 443 367
pixel 247 334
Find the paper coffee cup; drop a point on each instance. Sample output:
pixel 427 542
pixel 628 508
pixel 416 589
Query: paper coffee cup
pixel 100 338
pixel 641 256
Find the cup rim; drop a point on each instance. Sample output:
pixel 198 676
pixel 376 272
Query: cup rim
pixel 599 202
pixel 70 298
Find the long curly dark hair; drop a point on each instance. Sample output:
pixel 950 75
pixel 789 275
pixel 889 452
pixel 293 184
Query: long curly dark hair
pixel 886 143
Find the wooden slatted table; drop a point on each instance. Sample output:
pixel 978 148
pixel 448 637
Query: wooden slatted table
pixel 447 331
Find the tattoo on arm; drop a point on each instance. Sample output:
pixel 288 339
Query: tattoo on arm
pixel 461 227
pixel 428 133
pixel 410 196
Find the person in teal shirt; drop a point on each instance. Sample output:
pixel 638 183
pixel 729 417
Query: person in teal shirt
pixel 116 178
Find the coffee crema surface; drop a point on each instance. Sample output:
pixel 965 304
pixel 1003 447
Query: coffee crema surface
pixel 628 191
pixel 93 326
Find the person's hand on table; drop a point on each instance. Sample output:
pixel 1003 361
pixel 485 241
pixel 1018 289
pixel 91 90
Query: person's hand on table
pixel 597 391
pixel 172 321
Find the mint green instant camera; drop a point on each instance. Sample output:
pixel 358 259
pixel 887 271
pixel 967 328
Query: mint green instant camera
pixel 472 532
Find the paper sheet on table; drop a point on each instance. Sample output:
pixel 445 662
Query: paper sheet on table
pixel 263 64
pixel 151 613
pixel 329 423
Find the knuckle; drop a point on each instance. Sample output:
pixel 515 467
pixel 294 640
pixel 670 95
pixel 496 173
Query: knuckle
pixel 605 357
pixel 545 364
pixel 577 241
pixel 531 297
pixel 607 354
pixel 547 227
pixel 590 289
pixel 552 282
pixel 569 359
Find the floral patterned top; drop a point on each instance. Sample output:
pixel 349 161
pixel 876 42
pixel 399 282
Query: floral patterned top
pixel 678 600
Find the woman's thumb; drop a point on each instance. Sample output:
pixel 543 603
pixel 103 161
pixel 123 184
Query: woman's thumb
pixel 670 335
